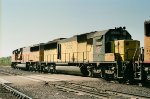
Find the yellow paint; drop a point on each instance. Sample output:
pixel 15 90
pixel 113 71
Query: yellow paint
pixel 127 48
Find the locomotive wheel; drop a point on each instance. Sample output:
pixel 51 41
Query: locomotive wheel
pixel 30 68
pixel 48 69
pixel 51 68
pixel 144 77
pixel 128 73
pixel 45 69
pixel 54 68
pixel 27 67
pixel 102 75
pixel 34 67
pixel 90 71
pixel 38 68
pixel 84 71
pixel 13 65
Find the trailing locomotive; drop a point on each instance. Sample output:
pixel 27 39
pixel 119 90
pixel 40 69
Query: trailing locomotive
pixel 110 53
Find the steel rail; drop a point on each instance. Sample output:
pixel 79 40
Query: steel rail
pixel 115 92
pixel 5 73
pixel 87 92
pixel 8 73
pixel 101 95
pixel 128 95
pixel 16 92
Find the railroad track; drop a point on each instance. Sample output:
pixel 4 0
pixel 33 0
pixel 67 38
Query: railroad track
pixel 87 90
pixel 4 72
pixel 15 92
pixel 84 91
pixel 100 94
pixel 117 93
pixel 73 87
pixel 128 95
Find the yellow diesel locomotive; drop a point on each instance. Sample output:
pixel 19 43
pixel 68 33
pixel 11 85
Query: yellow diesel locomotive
pixel 110 53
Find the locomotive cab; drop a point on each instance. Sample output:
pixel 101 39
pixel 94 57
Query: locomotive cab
pixel 16 57
pixel 146 62
pixel 147 42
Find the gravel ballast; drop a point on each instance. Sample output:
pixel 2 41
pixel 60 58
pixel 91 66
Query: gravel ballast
pixel 43 90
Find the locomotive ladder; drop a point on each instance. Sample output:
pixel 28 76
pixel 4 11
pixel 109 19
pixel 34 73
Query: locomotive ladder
pixel 138 65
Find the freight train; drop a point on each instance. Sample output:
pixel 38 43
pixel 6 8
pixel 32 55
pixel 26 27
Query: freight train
pixel 108 54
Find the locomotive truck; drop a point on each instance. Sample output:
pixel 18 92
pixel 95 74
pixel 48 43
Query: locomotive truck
pixel 109 54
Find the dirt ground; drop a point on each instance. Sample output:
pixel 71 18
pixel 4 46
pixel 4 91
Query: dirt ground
pixel 43 86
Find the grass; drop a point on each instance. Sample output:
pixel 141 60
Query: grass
pixel 5 61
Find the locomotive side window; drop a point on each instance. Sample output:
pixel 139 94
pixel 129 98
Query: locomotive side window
pixel 59 51
pixel 36 48
pixel 147 29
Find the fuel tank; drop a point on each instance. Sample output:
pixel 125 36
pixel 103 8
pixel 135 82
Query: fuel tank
pixel 72 70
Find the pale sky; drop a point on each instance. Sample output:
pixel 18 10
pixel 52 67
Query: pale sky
pixel 28 22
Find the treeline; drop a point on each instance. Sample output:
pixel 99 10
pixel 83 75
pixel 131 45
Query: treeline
pixel 5 61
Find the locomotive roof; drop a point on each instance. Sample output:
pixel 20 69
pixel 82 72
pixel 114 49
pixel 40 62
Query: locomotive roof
pixel 94 34
pixel 37 44
pixel 87 35
pixel 97 33
pixel 34 45
pixel 147 22
pixel 55 40
pixel 104 32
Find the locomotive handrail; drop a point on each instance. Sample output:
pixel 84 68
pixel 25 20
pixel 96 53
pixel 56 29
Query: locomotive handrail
pixel 135 53
pixel 73 58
